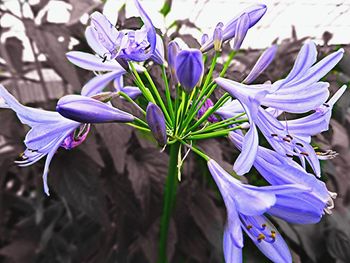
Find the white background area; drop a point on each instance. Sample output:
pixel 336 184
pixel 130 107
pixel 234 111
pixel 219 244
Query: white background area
pixel 310 17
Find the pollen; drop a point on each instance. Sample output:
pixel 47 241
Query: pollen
pixel 249 227
pixel 286 139
pixel 261 237
pixel 273 234
pixel 289 136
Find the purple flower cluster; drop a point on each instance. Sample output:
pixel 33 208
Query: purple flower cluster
pixel 290 164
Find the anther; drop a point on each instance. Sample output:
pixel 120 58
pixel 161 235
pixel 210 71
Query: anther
pixel 289 136
pixel 274 135
pixel 299 144
pixel 273 235
pixel 326 105
pixel 261 237
pixel 289 155
pixel 286 139
pixel 249 227
pixel 263 226
pixel 304 153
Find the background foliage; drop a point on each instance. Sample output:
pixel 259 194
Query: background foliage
pixel 107 193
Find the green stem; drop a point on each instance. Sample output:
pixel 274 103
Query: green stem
pixel 210 111
pixel 222 125
pixel 142 86
pixel 169 201
pixel 126 97
pixel 210 73
pixel 227 63
pixel 159 98
pixel 167 93
pixel 138 127
pixel 215 134
pixel 196 150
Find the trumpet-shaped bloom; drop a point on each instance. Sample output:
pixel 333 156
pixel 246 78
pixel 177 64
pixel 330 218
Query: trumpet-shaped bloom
pixel 156 122
pixel 49 131
pixel 280 170
pixel 290 94
pixel 88 110
pixel 229 30
pixel 246 206
pixel 189 68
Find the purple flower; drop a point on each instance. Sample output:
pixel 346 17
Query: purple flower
pixel 49 131
pixel 298 93
pixel 280 170
pixel 156 122
pixel 88 110
pixel 254 13
pixel 206 106
pixel 189 68
pixel 134 45
pixel 246 206
pixel 263 62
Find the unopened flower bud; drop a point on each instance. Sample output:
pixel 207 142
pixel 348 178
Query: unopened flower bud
pixel 189 68
pixel 241 30
pixel 204 39
pixel 218 37
pixel 156 122
pixel 88 110
pixel 173 50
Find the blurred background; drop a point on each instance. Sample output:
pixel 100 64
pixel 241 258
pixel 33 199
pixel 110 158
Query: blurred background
pixel 107 194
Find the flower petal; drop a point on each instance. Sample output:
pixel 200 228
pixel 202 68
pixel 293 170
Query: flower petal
pixel 98 83
pixel 276 251
pixel 92 62
pixel 306 58
pixel 263 62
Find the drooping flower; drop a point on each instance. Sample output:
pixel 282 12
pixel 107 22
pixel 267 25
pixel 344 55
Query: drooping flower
pixel 246 206
pixel 49 131
pixel 88 110
pixel 189 68
pixel 156 122
pixel 280 170
pixel 254 13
